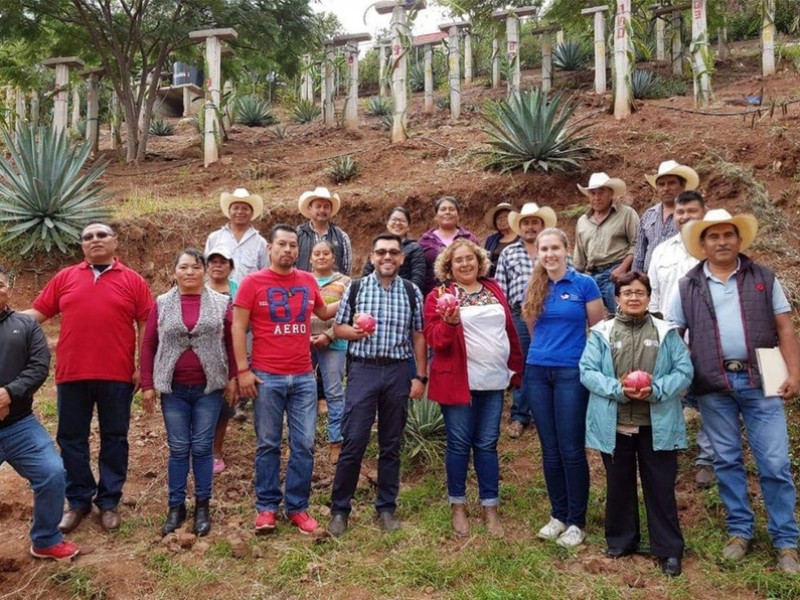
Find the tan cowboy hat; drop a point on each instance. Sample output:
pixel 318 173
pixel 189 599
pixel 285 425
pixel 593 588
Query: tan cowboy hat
pixel 307 198
pixel 241 195
pixel 531 209
pixel 598 180
pixel 671 167
pixel 691 232
pixel 489 217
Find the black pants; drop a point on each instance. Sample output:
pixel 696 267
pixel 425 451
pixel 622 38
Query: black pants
pixel 658 470
pixel 372 389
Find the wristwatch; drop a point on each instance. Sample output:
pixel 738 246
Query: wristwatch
pixel 422 379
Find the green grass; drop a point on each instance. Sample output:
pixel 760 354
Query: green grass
pixel 142 203
pixel 78 583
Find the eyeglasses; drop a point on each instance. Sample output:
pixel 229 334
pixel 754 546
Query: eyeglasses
pixel 394 253
pixel 634 293
pixel 100 235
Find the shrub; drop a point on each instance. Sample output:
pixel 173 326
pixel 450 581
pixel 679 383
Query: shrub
pixel 305 111
pixel 342 169
pixel 530 130
pixel 253 111
pixel 424 433
pixel 570 56
pixel 379 107
pixel 161 128
pixel 46 199
pixel 646 84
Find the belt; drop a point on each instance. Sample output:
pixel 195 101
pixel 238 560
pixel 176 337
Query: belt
pixel 734 366
pixel 379 361
pixel 601 268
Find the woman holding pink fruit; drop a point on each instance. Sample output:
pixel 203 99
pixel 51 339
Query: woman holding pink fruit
pixel 468 325
pixel 636 367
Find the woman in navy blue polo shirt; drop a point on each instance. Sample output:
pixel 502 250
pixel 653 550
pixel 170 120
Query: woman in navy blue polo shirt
pixel 560 304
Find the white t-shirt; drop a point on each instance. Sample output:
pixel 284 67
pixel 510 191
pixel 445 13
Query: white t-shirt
pixel 488 347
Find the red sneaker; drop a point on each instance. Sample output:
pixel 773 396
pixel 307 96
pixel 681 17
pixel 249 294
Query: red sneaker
pixel 62 552
pixel 265 521
pixel 304 522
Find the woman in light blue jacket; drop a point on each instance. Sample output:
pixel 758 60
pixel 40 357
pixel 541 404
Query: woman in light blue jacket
pixel 645 425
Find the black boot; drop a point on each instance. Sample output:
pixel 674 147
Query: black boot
pixel 175 518
pixel 202 519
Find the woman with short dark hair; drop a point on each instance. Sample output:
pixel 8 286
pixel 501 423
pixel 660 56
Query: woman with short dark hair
pixel 413 268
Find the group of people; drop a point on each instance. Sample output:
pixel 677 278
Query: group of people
pixel 601 346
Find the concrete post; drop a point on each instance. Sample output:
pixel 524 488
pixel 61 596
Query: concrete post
pixel 512 17
pixel 546 34
pixel 559 37
pixel 677 44
pixel 467 57
pixel 702 61
pixel 350 43
pixel 214 39
pixel 622 92
pixel 661 54
pixel 92 107
pixel 20 108
pixel 399 62
pixel 768 39
pixel 116 122
pixel 34 109
pixel 60 108
pixel 227 114
pixel 306 82
pixel 428 78
pixel 599 46
pixel 495 63
pixel 723 48
pixel 76 107
pixel 454 72
pixel 383 87
pixel 328 83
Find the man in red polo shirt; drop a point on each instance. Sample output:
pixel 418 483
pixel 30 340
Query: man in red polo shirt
pixel 102 304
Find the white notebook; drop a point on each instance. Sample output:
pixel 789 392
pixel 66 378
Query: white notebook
pixel 773 369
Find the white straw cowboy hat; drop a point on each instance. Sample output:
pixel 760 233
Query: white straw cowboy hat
pixel 691 232
pixel 599 180
pixel 671 167
pixel 489 217
pixel 531 209
pixel 306 198
pixel 241 195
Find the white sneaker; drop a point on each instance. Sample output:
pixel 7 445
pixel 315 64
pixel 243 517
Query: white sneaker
pixel 572 537
pixel 552 530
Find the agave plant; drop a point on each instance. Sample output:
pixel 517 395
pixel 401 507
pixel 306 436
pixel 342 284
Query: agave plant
pixel 379 107
pixel 305 111
pixel 343 168
pixel 424 433
pixel 571 55
pixel 161 128
pixel 646 84
pixel 46 199
pixel 416 77
pixel 253 111
pixel 530 130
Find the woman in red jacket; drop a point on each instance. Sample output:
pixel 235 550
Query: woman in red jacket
pixel 471 333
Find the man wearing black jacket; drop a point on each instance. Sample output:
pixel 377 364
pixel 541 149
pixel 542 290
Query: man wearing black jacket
pixel 24 443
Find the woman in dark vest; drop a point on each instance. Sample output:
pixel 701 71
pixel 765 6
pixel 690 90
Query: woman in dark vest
pixel 187 358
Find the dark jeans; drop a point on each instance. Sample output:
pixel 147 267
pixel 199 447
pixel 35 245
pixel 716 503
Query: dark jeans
pixel 558 404
pixel 603 281
pixel 658 470
pixel 520 409
pixel 76 402
pixel 372 389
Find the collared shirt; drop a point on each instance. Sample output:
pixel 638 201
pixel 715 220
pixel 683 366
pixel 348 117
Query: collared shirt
pixel 608 242
pixel 669 262
pixel 727 307
pixel 514 268
pixel 249 254
pixel 391 309
pixel 347 247
pixel 653 230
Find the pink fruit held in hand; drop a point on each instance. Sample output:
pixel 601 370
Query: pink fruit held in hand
pixel 366 322
pixel 637 380
pixel 446 302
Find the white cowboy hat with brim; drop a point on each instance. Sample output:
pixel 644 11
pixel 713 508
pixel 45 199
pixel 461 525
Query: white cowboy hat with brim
pixel 241 195
pixel 671 167
pixel 531 209
pixel 306 198
pixel 490 216
pixel 691 232
pixel 220 251
pixel 600 180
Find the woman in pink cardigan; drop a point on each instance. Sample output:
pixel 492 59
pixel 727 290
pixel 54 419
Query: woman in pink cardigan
pixel 476 355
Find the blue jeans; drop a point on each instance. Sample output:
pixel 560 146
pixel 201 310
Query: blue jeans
pixel 190 417
pixel 705 453
pixel 76 401
pixel 331 369
pixel 520 411
pixel 558 404
pixel 765 423
pixel 296 396
pixel 29 450
pixel 475 427
pixel 603 281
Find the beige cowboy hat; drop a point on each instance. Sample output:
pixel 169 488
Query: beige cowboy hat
pixel 531 209
pixel 691 232
pixel 599 180
pixel 671 167
pixel 241 195
pixel 307 198
pixel 489 217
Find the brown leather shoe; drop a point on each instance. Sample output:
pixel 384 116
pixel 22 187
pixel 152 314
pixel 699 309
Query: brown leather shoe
pixel 459 520
pixel 72 518
pixel 492 521
pixel 109 519
pixel 334 450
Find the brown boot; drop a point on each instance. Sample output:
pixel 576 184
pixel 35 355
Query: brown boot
pixel 460 520
pixel 334 450
pixel 492 521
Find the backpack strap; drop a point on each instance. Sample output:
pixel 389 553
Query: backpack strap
pixel 355 286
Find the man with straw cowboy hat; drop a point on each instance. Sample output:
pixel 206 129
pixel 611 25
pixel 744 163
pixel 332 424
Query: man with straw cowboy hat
pixel 658 224
pixel 514 268
pixel 247 247
pixel 605 236
pixel 319 207
pixel 732 306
